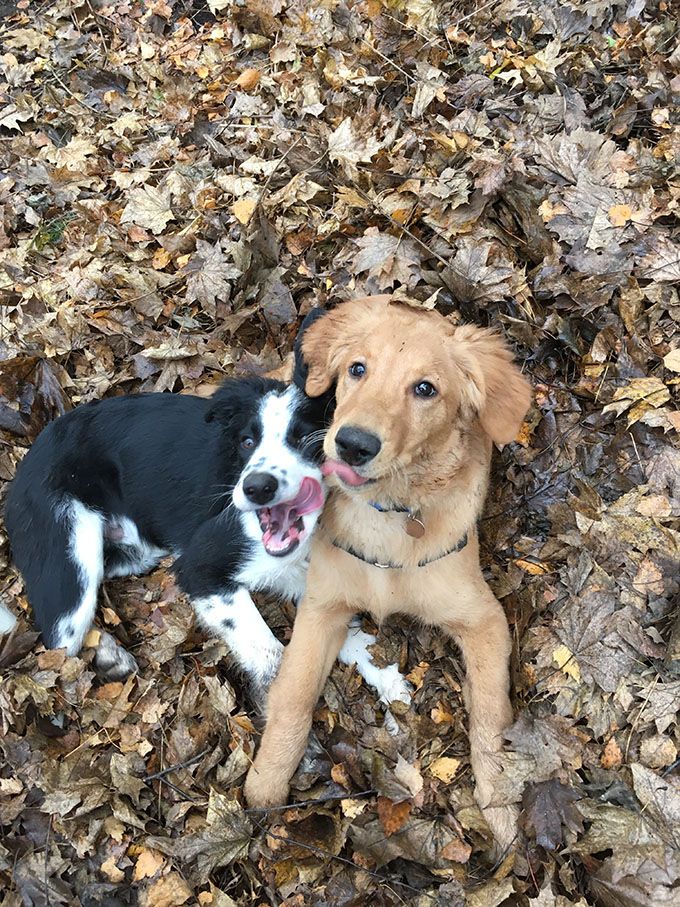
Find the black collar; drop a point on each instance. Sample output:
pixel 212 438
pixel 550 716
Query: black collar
pixel 460 544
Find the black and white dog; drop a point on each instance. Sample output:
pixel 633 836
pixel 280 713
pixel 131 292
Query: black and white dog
pixel 231 486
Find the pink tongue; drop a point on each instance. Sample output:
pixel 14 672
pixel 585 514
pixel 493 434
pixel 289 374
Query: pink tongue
pixel 344 470
pixel 310 497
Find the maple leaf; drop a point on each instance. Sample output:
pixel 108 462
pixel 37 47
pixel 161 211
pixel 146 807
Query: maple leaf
pixel 548 810
pixel 226 837
pixel 552 741
pixel 209 275
pixel 148 207
pixel 481 272
pixel 387 259
pixel 348 145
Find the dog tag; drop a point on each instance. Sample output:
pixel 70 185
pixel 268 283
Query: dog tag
pixel 415 527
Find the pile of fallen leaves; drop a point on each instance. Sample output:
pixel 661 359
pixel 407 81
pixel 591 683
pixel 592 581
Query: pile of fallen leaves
pixel 179 184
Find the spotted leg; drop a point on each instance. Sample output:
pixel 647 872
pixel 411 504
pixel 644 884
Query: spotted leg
pixel 234 617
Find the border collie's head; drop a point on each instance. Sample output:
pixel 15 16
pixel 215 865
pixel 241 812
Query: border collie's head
pixel 276 434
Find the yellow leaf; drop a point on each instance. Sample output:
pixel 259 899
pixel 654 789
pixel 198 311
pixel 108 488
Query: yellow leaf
pixel 417 675
pixel 440 714
pixel 444 768
pixel 248 79
pixel 672 360
pixel 92 638
pixel 147 865
pixel 110 616
pixel 534 568
pixel 243 209
pixel 160 260
pixel 566 662
pixel 353 808
pixel 169 891
pixel 110 869
pixel 638 396
pixel 147 50
pixel 619 215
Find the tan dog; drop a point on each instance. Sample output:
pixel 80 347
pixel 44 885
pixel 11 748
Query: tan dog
pixel 419 403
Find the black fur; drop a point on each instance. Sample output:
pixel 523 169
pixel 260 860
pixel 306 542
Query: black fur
pixel 166 462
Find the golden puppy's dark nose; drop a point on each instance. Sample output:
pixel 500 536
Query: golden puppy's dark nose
pixel 356 446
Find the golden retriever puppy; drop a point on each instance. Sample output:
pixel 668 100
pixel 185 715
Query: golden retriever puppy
pixel 419 403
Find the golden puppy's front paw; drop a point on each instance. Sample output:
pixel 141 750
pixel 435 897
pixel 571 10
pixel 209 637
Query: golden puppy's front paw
pixel 504 824
pixel 263 790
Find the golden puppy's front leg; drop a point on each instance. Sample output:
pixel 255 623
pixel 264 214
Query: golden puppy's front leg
pixel 486 646
pixel 318 635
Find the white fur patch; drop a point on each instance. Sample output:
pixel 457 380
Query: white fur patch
pixel 236 619
pixel 7 620
pixel 87 553
pixel 273 455
pixel 142 555
pixel 111 660
pixel 388 682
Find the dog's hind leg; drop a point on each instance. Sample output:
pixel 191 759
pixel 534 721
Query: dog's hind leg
pixel 234 617
pixel 64 589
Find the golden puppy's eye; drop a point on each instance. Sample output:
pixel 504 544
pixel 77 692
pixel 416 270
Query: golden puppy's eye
pixel 248 442
pixel 425 389
pixel 357 370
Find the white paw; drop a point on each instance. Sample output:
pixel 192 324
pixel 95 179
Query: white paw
pixel 267 666
pixel 393 686
pixel 112 661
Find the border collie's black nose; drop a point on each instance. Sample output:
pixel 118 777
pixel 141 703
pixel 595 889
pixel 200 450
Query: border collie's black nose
pixel 356 446
pixel 260 487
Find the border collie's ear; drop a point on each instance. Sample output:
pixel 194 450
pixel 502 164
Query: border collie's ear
pixel 301 370
pixel 495 388
pixel 224 403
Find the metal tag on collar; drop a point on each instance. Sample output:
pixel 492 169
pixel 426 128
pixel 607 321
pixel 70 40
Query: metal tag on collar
pixel 414 525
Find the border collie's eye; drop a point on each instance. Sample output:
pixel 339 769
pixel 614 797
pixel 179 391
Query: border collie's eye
pixel 425 389
pixel 357 370
pixel 248 443
pixel 303 439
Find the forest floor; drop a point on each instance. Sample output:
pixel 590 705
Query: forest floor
pixel 179 185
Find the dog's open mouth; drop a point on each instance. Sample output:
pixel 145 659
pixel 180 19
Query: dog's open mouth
pixel 283 525
pixel 343 471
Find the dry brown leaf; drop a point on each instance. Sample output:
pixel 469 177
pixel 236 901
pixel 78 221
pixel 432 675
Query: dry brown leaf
pixel 612 756
pixel 169 891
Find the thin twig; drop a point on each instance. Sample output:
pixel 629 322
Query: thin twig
pixel 387 59
pixel 271 809
pixel 178 790
pixel 383 213
pixel 269 178
pixel 99 113
pixel 175 768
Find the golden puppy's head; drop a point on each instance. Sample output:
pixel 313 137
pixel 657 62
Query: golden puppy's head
pixel 410 389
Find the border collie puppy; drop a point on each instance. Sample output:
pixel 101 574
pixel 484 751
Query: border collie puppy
pixel 230 486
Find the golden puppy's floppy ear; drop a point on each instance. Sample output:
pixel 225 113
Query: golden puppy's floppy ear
pixel 318 347
pixel 498 391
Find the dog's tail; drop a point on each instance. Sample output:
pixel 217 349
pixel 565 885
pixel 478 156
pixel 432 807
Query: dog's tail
pixel 7 619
